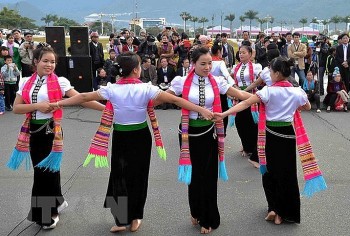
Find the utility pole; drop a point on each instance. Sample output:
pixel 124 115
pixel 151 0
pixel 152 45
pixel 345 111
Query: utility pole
pixel 222 14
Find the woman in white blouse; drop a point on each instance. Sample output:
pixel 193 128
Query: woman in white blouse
pixel 281 100
pixel 132 141
pixel 244 74
pixel 203 144
pixel 46 183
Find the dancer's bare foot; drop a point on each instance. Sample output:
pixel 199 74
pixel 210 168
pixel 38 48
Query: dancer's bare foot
pixel 205 231
pixel 254 163
pixel 278 220
pixel 135 225
pixel 194 221
pixel 116 229
pixel 241 150
pixel 271 216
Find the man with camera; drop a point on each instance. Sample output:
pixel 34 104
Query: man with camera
pixel 322 51
pixel 26 54
pixel 149 49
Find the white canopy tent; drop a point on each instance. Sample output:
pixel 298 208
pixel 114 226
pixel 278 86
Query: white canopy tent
pixel 218 30
pixel 253 31
pixel 276 29
pixel 306 31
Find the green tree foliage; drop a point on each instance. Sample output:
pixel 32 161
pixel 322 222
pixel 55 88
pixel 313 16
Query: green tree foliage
pixel 62 21
pixel 12 19
pixel 230 18
pixel 251 15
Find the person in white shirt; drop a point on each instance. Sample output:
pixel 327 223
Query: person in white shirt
pixel 203 146
pixel 129 98
pixel 244 74
pixel 282 101
pixel 34 102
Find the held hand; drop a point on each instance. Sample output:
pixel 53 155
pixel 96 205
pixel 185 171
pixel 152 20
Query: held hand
pixel 208 115
pixel 218 117
pixel 44 107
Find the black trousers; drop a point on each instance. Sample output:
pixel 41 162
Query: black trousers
pixel 345 75
pixel 202 192
pixel 248 132
pixel 224 107
pixel 280 181
pixel 10 94
pixel 46 192
pixel 128 180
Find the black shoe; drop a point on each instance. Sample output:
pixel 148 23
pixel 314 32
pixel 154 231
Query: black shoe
pixel 8 108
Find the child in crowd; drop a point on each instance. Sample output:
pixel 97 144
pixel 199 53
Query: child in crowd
pixel 311 87
pixel 2 103
pixel 109 66
pixel 102 79
pixel 4 51
pixel 9 73
pixel 337 96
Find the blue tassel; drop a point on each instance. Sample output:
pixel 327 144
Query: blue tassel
pixel 185 174
pixel 255 115
pixel 17 158
pixel 314 185
pixel 51 162
pixel 231 120
pixel 222 171
pixel 263 169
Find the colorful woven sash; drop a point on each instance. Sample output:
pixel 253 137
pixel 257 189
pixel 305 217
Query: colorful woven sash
pixel 185 166
pixel 312 173
pixel 21 151
pixel 99 145
pixel 254 107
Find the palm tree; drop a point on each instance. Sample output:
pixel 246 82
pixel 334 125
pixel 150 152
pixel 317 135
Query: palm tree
pixel 194 19
pixel 203 20
pixel 185 16
pixel 241 19
pixel 303 21
pixel 325 23
pixel 314 21
pixel 251 15
pixel 346 20
pixel 336 20
pixel 261 22
pixel 230 18
pixel 47 19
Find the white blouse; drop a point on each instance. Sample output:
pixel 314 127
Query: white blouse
pixel 219 69
pixel 256 69
pixel 177 85
pixel 42 93
pixel 282 102
pixel 129 101
pixel 265 76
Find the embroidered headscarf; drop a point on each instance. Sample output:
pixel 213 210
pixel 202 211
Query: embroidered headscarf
pixel 254 107
pixel 21 151
pixel 312 173
pixel 185 166
pixel 99 145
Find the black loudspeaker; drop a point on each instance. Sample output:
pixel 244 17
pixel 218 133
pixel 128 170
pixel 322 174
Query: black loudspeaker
pixel 79 41
pixel 55 36
pixel 80 73
pixel 62 67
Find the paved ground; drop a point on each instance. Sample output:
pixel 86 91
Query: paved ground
pixel 241 200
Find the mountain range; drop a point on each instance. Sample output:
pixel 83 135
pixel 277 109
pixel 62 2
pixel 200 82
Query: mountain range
pixel 290 11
